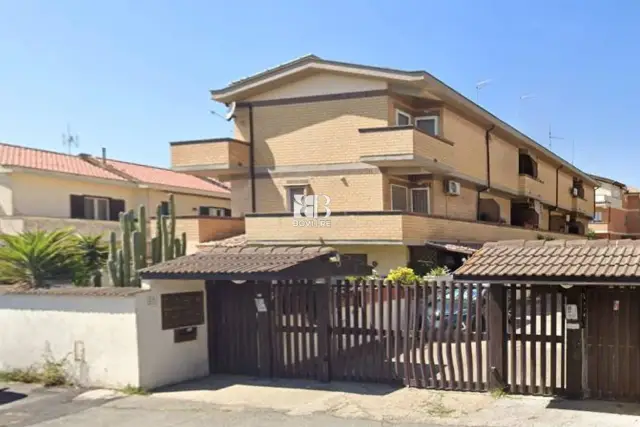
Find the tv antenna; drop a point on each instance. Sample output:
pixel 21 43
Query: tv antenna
pixel 553 137
pixel 70 140
pixel 479 85
pixel 229 115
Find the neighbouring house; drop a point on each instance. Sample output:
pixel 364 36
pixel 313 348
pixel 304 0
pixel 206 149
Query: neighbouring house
pixel 617 211
pixel 48 190
pixel 409 168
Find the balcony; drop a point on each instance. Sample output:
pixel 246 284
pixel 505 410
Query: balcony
pixel 582 206
pixel 529 186
pixel 405 146
pixel 386 227
pixel 220 158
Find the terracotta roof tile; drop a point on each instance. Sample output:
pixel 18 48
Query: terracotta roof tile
pixel 31 158
pixel 72 291
pixel 160 176
pixel 555 259
pixel 240 259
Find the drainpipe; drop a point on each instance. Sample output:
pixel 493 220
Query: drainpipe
pixel 557 189
pixel 487 139
pixel 252 170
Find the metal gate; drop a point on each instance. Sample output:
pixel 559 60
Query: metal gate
pixel 613 340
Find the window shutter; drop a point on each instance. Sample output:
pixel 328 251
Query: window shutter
pixel 115 207
pixel 204 211
pixel 227 212
pixel 77 206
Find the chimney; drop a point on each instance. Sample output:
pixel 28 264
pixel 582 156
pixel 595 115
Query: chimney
pixel 104 155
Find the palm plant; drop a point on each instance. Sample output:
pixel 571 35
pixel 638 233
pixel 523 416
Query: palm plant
pixel 32 257
pixel 93 254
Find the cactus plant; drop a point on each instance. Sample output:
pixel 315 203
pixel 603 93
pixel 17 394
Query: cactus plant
pixel 124 263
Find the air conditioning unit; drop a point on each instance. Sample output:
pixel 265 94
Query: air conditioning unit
pixel 574 191
pixel 452 188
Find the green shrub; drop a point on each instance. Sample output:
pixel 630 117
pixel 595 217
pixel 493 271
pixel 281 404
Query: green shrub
pixel 403 275
pixel 439 271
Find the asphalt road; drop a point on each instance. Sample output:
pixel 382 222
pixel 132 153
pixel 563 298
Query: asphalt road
pixel 25 405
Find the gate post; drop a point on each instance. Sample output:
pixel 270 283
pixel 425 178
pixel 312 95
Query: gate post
pixel 264 316
pixel 497 343
pixel 324 337
pixel 573 355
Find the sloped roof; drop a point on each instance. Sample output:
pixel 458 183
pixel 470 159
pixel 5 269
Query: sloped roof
pixel 73 291
pixel 555 261
pixel 229 242
pixel 32 158
pixel 160 176
pixel 237 260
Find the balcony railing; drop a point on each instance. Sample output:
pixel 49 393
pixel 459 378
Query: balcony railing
pixel 382 227
pixel 404 146
pixel 221 158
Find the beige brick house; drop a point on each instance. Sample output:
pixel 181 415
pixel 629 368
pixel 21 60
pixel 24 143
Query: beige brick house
pixel 409 164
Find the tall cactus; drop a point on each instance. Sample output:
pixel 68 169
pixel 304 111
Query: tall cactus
pixel 124 263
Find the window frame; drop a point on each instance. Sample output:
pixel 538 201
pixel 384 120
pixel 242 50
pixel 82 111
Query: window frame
pixel 597 214
pixel 95 200
pixel 428 190
pixel 436 120
pixel 290 199
pixel 406 192
pixel 403 113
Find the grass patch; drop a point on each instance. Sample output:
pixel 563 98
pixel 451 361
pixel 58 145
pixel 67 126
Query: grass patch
pixel 50 374
pixel 133 391
pixel 29 376
pixel 438 409
pixel 498 393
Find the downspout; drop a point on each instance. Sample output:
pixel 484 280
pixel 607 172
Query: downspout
pixel 252 169
pixel 557 189
pixel 487 139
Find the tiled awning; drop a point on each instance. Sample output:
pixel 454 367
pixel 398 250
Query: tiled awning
pixel 454 247
pixel 555 261
pixel 248 262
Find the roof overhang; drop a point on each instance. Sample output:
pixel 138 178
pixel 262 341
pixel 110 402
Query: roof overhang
pixel 421 80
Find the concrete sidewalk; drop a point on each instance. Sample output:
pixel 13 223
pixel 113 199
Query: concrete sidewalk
pixel 386 404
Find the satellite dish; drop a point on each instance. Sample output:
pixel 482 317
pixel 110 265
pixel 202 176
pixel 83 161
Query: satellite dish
pixel 231 111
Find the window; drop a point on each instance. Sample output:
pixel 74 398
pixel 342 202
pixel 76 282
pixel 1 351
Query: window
pixel 402 118
pixel 578 188
pixel 527 165
pixel 597 217
pixel 164 208
pixel 420 200
pixel 214 211
pixel 96 208
pixel 399 198
pixel 292 192
pixel 429 124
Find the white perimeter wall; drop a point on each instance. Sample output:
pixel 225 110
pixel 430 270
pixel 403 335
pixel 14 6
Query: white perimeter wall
pixel 96 335
pixel 161 360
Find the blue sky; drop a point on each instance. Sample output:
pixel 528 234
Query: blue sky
pixel 133 75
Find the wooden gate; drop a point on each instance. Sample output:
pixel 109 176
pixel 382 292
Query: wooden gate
pixel 613 340
pixel 233 330
pixel 536 328
pixel 424 335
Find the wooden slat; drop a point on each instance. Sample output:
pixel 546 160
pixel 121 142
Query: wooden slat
pixel 415 330
pixel 449 320
pixel 389 331
pixel 564 332
pixel 407 359
pixel 365 355
pixel 287 323
pixel 304 316
pixel 533 344
pixel 295 306
pixel 441 334
pixel 467 335
pixel 337 365
pixel 478 339
pixel 423 331
pixel 314 334
pixel 513 380
pixel 627 322
pixel 458 333
pixel 433 375
pixel 396 330
pixel 553 339
pixel 543 343
pixel 617 386
pixel 379 324
pixel 523 343
pixel 357 350
pixel 349 312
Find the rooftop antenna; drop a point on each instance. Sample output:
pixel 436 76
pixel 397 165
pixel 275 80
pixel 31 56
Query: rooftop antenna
pixel 552 137
pixel 481 84
pixel 70 140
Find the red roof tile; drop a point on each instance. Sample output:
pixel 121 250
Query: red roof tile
pixel 13 155
pixel 160 176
